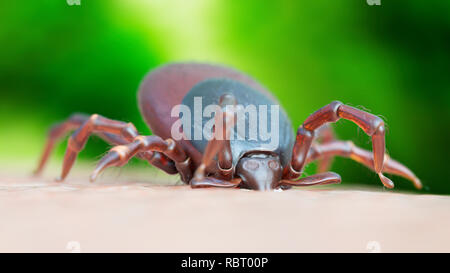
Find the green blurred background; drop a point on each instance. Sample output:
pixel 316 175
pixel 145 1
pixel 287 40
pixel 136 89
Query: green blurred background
pixel 393 59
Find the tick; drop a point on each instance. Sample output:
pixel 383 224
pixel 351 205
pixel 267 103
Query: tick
pixel 232 160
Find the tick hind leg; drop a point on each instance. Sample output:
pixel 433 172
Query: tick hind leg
pixel 56 133
pixel 112 131
pixel 348 149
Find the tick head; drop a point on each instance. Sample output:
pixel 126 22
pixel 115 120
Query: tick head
pixel 259 171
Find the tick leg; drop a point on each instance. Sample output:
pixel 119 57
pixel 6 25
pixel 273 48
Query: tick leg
pixel 348 149
pixel 115 137
pixel 215 182
pixel 94 124
pixel 159 160
pixel 201 181
pixel 60 130
pixel 156 159
pixel 225 161
pixel 325 135
pixel 219 145
pixel 371 124
pixel 317 179
pixel 57 132
pixel 120 155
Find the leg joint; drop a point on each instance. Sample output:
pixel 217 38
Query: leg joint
pixel 328 113
pixel 74 145
pixel 301 131
pixel 93 118
pixel 129 132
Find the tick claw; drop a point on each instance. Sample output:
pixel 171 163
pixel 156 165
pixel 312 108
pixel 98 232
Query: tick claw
pixel 100 167
pixel 36 173
pixel 386 181
pixel 111 159
pixel 417 183
pixel 93 177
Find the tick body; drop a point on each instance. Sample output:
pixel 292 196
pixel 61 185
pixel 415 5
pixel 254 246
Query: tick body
pixel 228 157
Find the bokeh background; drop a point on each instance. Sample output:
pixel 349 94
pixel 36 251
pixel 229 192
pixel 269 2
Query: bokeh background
pixel 393 59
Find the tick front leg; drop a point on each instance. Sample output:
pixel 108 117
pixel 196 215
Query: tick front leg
pixel 348 149
pixel 120 155
pixel 371 124
pixel 313 180
pixel 201 181
pixel 325 135
pixel 219 145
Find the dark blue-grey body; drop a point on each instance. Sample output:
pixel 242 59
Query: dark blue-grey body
pixel 211 90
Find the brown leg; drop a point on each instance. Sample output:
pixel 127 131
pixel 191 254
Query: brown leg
pixel 95 123
pixel 120 155
pixel 225 161
pixel 57 132
pixel 325 135
pixel 219 146
pixel 348 149
pixel 156 159
pixel 222 148
pixel 106 129
pixel 201 181
pixel 317 179
pixel 159 160
pixel 371 124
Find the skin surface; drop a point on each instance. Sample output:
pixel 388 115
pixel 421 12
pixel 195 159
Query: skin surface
pixel 144 210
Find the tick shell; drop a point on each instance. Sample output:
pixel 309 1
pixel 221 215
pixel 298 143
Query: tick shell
pixel 165 87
